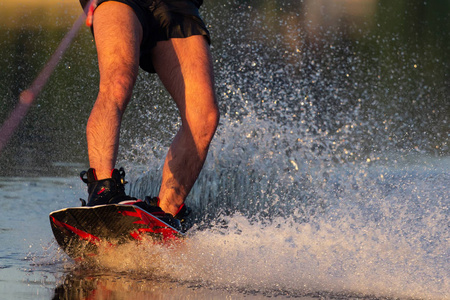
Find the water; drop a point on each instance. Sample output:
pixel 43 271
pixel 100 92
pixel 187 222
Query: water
pixel 328 177
pixel 382 234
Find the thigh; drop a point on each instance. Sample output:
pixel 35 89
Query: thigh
pixel 184 65
pixel 118 34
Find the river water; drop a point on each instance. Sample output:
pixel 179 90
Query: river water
pixel 328 177
pixel 370 232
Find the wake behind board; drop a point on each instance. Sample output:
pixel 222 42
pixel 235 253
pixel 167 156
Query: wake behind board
pixel 80 231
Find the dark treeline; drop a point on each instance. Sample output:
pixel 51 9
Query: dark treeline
pixel 387 59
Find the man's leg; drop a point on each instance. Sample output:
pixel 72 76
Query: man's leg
pixel 185 68
pixel 118 34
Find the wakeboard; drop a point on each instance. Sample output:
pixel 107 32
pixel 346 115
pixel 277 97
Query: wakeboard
pixel 80 231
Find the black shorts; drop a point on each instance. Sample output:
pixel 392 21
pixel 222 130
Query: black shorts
pixel 162 20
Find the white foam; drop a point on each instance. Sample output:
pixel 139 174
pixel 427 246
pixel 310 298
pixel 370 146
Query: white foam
pixel 327 255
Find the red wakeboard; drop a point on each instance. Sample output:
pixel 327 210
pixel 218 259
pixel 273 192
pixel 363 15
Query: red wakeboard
pixel 80 231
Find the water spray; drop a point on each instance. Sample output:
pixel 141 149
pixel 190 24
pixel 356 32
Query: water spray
pixel 28 96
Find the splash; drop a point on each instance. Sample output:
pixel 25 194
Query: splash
pixel 317 182
pixel 277 215
pixel 347 250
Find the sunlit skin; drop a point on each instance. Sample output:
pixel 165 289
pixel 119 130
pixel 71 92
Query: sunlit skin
pixel 184 67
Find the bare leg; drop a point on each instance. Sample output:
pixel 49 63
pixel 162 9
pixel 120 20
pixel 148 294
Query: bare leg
pixel 118 57
pixel 185 68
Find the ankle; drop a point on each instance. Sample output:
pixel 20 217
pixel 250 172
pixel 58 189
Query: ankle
pixel 109 190
pixel 170 208
pixel 102 173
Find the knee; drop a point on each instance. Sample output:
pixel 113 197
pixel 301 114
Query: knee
pixel 204 128
pixel 115 92
pixel 212 121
